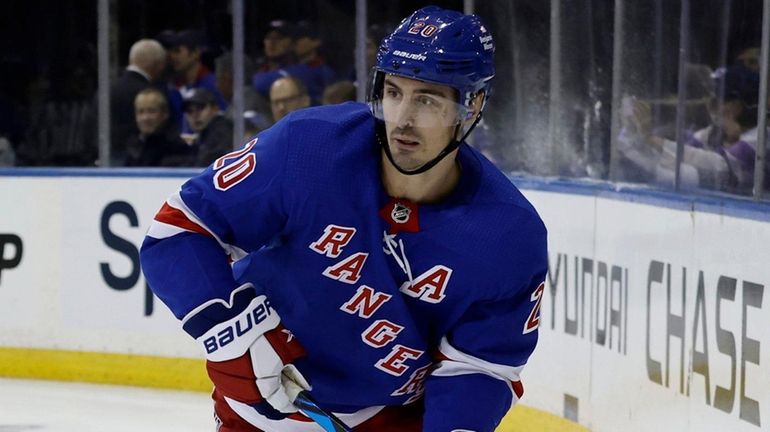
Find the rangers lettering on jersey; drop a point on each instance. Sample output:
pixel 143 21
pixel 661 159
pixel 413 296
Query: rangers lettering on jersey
pixel 430 285
pixel 381 333
pixel 365 302
pixel 415 386
pixel 394 362
pixel 348 270
pixel 333 240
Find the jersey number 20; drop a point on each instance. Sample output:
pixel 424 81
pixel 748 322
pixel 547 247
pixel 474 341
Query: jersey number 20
pixel 229 176
pixel 533 321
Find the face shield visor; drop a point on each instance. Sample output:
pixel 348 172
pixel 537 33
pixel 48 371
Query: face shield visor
pixel 421 108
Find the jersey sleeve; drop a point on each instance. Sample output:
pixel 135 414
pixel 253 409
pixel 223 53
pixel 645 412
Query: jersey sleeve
pixel 477 378
pixel 235 206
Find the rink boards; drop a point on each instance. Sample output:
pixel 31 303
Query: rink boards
pixel 655 315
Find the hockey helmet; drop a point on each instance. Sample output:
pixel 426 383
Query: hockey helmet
pixel 442 47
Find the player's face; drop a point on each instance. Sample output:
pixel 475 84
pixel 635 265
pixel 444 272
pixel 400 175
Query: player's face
pixel 150 113
pixel 420 119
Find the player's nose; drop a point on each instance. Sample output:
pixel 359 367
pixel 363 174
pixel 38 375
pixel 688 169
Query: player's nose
pixel 405 115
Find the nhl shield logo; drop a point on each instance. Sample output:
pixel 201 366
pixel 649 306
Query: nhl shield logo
pixel 400 213
pixel 401 216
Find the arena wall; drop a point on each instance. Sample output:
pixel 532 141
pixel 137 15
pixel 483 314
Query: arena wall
pixel 654 316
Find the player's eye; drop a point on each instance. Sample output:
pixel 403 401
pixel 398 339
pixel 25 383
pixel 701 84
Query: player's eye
pixel 392 92
pixel 425 101
pixel 428 102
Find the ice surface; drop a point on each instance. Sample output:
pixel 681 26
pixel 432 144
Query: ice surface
pixel 48 406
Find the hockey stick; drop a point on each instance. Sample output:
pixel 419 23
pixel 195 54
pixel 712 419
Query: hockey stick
pixel 308 406
pixel 327 420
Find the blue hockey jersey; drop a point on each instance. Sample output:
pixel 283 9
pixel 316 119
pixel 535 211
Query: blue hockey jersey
pixel 393 301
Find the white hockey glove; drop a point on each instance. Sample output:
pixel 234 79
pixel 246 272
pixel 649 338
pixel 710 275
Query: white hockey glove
pixel 248 352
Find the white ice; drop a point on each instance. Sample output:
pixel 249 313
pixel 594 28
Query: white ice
pixel 49 406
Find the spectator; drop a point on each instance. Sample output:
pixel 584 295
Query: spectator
pixel 339 92
pixel 647 158
pixel 146 62
pixel 256 105
pixel 214 133
pixel 279 53
pixel 374 34
pixel 311 67
pixel 733 129
pixel 157 142
pixel 287 94
pixel 749 58
pixel 190 72
pixel 718 156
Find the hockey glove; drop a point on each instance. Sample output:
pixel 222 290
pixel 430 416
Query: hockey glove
pixel 248 351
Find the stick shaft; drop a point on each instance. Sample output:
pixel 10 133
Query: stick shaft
pixel 327 420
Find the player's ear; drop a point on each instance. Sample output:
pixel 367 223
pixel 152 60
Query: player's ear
pixel 476 104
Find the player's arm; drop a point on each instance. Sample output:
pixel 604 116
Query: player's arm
pixel 476 381
pixel 234 207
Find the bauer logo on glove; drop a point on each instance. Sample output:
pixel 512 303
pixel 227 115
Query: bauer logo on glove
pixel 248 351
pixel 236 325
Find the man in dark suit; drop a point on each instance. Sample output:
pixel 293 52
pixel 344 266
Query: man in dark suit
pixel 146 63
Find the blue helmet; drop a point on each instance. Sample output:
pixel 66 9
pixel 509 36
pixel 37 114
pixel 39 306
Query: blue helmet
pixel 442 47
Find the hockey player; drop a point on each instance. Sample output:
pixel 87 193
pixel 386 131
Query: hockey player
pixel 363 252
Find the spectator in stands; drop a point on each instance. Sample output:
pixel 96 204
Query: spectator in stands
pixel 733 129
pixel 214 133
pixel 287 94
pixel 749 58
pixel 167 38
pixel 339 92
pixel 189 71
pixel 718 156
pixel 256 108
pixel 647 158
pixel 146 62
pixel 311 68
pixel 157 142
pixel 278 53
pixel 374 35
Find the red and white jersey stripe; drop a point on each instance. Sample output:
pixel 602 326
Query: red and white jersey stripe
pixel 456 362
pixel 176 218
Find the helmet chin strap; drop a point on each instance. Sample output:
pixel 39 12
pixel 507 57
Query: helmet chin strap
pixel 452 146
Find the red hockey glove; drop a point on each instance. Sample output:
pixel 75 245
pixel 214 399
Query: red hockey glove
pixel 248 351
